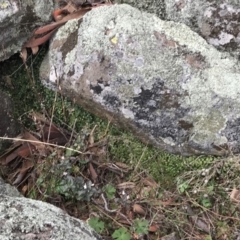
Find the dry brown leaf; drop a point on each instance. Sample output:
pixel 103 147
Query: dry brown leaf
pixel 10 157
pixel 235 195
pixel 23 54
pixel 34 50
pixel 138 209
pixel 24 189
pixel 153 228
pixel 122 165
pixel 26 165
pixel 91 136
pixel 93 173
pixel 148 181
pixel 36 143
pixel 10 154
pixel 25 150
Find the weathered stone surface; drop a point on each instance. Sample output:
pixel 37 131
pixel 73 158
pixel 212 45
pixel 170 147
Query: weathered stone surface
pixel 23 218
pixel 17 21
pixel 8 126
pixel 157 7
pixel 7 189
pixel 218 21
pixel 157 78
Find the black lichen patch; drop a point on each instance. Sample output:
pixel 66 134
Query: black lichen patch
pixel 224 20
pixel 159 112
pixel 112 101
pixel 97 89
pixel 232 133
pixel 159 97
pixel 185 124
pixel 232 130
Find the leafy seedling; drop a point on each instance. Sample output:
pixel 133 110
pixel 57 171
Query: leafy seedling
pixel 141 226
pixel 121 234
pixel 109 190
pixel 96 224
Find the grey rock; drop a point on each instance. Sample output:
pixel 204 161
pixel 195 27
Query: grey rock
pixel 9 127
pixel 18 19
pixel 23 218
pixel 157 78
pixel 157 7
pixel 217 21
pixel 7 189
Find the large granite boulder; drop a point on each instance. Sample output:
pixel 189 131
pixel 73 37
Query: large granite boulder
pixel 157 78
pixel 18 19
pixel 23 218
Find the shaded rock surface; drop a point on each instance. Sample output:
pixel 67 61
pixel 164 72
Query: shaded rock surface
pixel 157 7
pixel 159 79
pixel 217 21
pixel 23 218
pixel 18 19
pixel 8 126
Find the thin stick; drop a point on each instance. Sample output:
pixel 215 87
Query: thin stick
pixel 44 143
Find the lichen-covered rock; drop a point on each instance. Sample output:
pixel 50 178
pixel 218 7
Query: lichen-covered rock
pixel 215 20
pixel 151 6
pixel 23 218
pixel 7 189
pixel 18 19
pixel 8 125
pixel 159 79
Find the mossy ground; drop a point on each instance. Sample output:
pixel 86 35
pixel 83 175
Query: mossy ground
pixel 29 95
pixel 201 182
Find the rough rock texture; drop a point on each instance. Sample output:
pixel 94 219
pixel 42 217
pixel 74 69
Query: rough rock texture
pixel 157 78
pixel 8 126
pixel 7 189
pixel 218 21
pixel 22 218
pixel 17 21
pixel 151 6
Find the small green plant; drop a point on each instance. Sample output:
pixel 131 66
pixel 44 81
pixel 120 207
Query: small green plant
pixel 183 187
pixel 121 234
pixel 109 190
pixel 206 202
pixel 141 226
pixel 96 224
